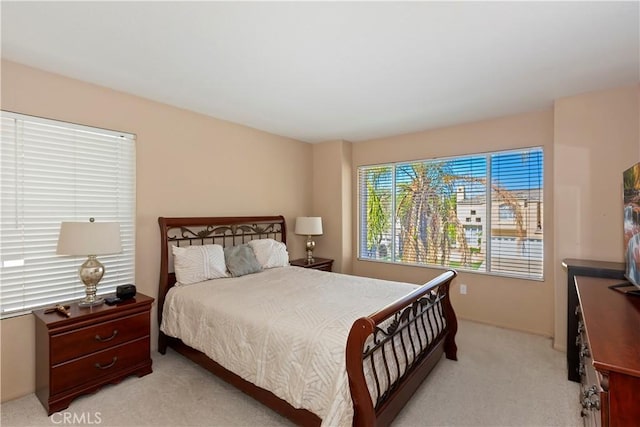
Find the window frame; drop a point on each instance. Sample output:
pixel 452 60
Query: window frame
pixel 361 216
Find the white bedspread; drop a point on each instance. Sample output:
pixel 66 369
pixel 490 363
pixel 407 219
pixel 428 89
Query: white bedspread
pixel 283 329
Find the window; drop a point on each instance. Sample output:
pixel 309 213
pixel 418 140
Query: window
pixel 507 213
pixel 418 213
pixel 52 172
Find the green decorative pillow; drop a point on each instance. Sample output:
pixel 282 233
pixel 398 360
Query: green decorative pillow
pixel 241 260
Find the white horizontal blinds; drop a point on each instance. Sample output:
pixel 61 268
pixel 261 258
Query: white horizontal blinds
pixel 479 213
pixel 467 225
pixel 412 209
pixel 375 186
pixel 53 172
pixel 440 209
pixel 516 213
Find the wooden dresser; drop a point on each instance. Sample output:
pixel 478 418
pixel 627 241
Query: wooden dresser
pixel 582 267
pixel 609 347
pixel 93 347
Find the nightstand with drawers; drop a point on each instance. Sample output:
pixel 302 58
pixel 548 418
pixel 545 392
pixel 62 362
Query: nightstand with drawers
pixel 93 347
pixel 324 264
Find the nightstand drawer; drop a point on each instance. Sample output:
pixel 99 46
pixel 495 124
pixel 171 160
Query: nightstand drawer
pixel 98 337
pixel 98 365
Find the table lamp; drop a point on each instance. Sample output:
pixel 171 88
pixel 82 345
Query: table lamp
pixel 90 239
pixel 309 226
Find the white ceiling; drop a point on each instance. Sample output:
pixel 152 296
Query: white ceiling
pixel 318 71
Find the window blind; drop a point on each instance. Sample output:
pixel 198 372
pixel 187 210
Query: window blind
pixel 477 212
pixel 516 212
pixel 435 199
pixel 52 172
pixel 376 199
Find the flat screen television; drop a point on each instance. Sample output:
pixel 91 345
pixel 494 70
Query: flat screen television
pixel 631 188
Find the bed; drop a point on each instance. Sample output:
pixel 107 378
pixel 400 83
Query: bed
pixel 319 348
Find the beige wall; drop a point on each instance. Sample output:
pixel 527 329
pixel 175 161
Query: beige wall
pixel 519 304
pixel 596 139
pixel 589 140
pixel 332 201
pixel 187 165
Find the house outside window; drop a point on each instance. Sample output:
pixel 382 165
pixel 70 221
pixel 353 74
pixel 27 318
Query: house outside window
pixel 421 213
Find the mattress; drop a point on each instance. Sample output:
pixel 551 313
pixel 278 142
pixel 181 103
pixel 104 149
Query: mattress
pixel 283 329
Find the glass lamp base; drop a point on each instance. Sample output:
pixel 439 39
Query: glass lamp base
pixel 86 303
pixel 90 274
pixel 310 246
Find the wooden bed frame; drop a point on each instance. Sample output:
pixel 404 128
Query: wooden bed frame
pixel 407 338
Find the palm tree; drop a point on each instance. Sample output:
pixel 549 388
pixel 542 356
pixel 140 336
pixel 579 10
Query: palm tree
pixel 427 213
pixel 378 187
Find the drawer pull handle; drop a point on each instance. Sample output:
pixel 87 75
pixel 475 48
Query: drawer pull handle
pixel 591 391
pixel 591 404
pixel 113 335
pixel 113 362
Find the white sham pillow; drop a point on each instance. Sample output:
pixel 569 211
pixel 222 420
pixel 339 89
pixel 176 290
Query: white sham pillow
pixel 193 264
pixel 270 253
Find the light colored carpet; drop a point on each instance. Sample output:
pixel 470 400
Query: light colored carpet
pixel 502 378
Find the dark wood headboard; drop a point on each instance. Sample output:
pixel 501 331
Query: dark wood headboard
pixel 225 231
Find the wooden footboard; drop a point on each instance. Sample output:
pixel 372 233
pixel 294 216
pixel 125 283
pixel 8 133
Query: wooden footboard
pixel 391 352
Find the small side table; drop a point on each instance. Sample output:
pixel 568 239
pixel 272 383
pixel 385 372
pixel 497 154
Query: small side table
pixel 95 346
pixel 323 264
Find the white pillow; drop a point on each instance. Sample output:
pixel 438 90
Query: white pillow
pixel 270 253
pixel 193 264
